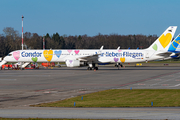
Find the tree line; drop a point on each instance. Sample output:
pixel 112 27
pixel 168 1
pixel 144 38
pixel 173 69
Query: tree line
pixel 11 40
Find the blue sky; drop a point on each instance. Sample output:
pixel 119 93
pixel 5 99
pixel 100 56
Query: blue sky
pixel 90 17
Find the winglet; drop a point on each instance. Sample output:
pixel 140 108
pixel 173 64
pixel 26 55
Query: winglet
pixel 118 48
pixel 101 48
pixel 100 51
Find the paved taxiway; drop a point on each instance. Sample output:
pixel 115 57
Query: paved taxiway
pixel 19 88
pixel 93 113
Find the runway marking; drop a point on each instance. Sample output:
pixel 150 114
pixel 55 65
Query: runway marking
pixel 81 91
pixel 141 84
pixel 175 85
pixel 171 75
pixel 171 79
pixel 155 77
pixel 53 89
pixel 160 82
pixel 9 79
pixel 47 92
pixel 165 84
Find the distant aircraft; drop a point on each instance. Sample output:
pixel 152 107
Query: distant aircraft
pixel 76 58
pixel 175 47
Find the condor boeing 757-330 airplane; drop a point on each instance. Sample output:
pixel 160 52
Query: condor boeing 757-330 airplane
pixel 75 58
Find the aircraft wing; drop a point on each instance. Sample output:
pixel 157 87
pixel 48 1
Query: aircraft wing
pixel 89 58
pixel 93 57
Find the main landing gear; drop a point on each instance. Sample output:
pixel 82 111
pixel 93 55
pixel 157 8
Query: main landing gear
pixel 119 65
pixel 92 67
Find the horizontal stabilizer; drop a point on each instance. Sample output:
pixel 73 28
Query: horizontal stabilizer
pixel 165 54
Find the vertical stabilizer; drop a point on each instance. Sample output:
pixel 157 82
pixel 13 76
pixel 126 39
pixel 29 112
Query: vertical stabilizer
pixel 175 45
pixel 164 41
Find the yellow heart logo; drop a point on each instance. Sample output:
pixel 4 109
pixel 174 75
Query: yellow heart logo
pixel 165 40
pixel 48 54
pixel 122 59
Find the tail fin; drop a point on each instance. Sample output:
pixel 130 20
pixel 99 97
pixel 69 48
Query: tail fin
pixel 164 41
pixel 175 45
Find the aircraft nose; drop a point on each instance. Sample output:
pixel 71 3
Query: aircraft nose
pixel 5 58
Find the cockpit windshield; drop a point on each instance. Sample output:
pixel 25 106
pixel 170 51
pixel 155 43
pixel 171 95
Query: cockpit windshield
pixel 9 55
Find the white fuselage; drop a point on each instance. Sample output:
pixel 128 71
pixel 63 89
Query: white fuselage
pixel 106 56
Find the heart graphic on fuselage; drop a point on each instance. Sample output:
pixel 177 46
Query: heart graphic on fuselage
pixel 48 54
pixel 58 53
pixel 34 59
pixel 16 55
pixel 122 60
pixel 76 51
pixel 115 59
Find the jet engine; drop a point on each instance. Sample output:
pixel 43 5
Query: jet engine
pixel 75 63
pixel 72 63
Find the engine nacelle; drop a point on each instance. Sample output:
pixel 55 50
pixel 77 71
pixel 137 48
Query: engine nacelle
pixel 72 63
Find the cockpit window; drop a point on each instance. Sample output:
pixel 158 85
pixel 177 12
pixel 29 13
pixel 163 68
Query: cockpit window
pixel 9 55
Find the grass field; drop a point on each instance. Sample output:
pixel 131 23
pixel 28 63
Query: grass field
pixel 122 98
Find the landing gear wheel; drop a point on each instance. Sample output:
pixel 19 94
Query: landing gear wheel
pixel 89 68
pixel 92 66
pixel 95 68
